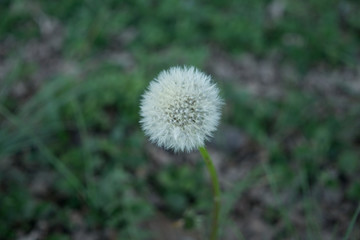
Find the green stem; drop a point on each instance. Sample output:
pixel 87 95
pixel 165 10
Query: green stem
pixel 216 192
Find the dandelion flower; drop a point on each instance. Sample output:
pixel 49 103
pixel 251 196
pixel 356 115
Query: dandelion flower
pixel 180 109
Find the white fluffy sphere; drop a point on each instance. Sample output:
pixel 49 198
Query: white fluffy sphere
pixel 180 109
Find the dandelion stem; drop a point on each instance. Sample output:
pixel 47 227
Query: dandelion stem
pixel 216 192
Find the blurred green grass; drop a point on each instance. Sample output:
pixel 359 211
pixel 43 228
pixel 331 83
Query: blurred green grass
pixel 302 32
pixel 78 131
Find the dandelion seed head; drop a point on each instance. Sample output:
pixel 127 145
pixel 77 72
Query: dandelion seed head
pixel 180 109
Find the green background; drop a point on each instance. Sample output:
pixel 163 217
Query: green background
pixel 74 163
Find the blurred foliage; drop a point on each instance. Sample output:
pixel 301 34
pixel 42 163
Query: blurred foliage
pixel 303 32
pixel 78 135
pixel 181 186
pixel 100 179
pixel 316 138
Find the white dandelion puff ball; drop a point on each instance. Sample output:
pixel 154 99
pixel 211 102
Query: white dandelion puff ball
pixel 180 109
